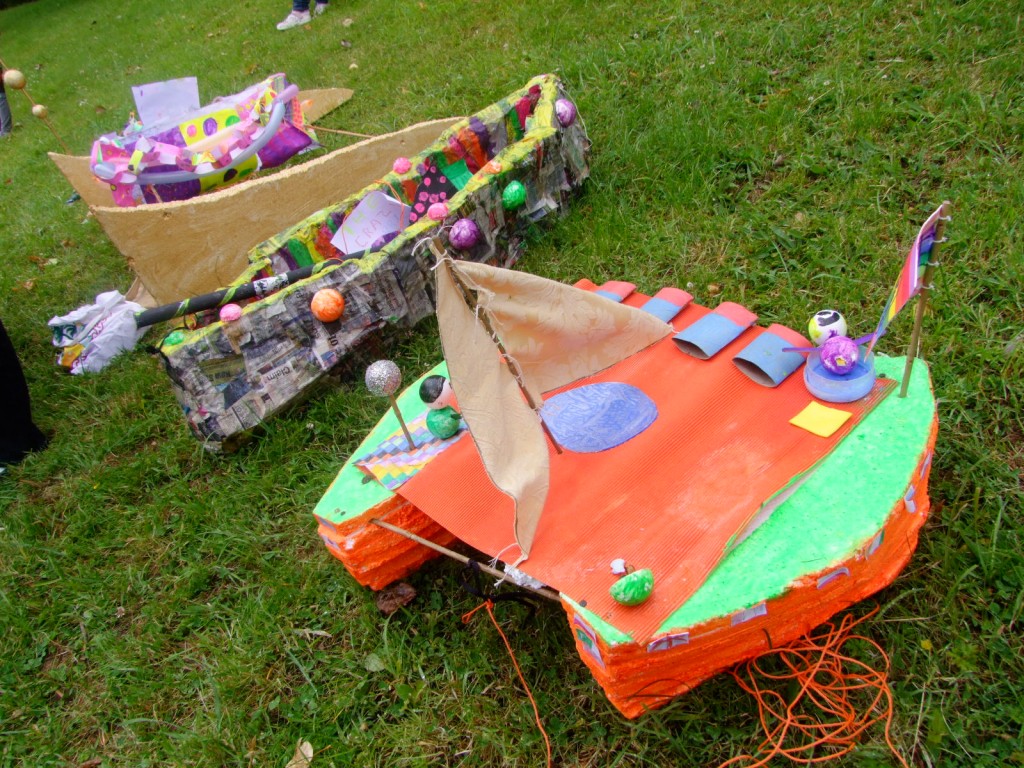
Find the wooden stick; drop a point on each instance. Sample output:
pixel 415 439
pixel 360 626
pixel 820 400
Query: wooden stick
pixel 398 414
pixel 547 592
pixel 345 133
pixel 46 120
pixel 922 301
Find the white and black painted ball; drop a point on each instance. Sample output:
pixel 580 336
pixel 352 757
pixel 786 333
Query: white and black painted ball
pixel 436 392
pixel 824 325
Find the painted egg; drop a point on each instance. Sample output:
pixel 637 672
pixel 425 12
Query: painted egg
pixel 514 196
pixel 464 234
pixel 327 305
pixel 401 165
pixel 229 313
pixel 565 111
pixel 437 211
pixel 633 588
pixel 839 354
pixel 824 325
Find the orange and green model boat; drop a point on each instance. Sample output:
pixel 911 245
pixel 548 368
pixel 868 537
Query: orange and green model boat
pixel 661 468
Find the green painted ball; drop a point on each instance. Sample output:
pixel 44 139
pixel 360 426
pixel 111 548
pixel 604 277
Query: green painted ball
pixel 514 196
pixel 443 422
pixel 633 588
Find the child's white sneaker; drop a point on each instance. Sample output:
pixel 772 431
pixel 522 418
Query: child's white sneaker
pixel 294 19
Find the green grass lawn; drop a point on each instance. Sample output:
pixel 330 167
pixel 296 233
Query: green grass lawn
pixel 163 606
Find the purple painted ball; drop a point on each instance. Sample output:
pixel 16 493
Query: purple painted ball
pixel 839 354
pixel 565 111
pixel 464 234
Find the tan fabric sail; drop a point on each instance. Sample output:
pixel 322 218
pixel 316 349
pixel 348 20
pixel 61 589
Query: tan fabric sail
pixel 556 334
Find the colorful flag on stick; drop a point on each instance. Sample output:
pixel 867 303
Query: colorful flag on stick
pixel 909 283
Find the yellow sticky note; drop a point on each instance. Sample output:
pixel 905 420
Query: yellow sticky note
pixel 820 420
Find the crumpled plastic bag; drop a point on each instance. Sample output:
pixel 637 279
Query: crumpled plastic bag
pixel 92 335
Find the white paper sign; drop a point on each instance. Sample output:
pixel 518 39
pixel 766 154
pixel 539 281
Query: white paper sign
pixel 166 101
pixel 376 215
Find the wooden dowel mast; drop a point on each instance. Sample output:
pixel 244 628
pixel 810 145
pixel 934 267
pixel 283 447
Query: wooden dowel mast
pixel 550 594
pixel 922 300
pixel 398 413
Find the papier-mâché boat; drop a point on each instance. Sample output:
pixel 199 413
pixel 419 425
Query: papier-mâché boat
pixel 494 175
pixel 691 450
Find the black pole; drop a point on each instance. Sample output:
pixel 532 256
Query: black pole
pixel 257 288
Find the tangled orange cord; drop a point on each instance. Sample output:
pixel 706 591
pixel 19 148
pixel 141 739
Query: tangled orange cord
pixel 839 697
pixel 536 712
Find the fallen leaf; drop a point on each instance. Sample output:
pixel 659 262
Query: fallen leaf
pixel 394 597
pixel 308 633
pixel 347 22
pixel 346 43
pixel 353 65
pixel 91 763
pixel 303 756
pixel 100 109
pixel 28 285
pixel 373 663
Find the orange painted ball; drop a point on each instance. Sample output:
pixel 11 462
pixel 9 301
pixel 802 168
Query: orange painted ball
pixel 327 305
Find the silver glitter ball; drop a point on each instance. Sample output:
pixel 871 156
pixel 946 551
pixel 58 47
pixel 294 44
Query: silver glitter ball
pixel 383 378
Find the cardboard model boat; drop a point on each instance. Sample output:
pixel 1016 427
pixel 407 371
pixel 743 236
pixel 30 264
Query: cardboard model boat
pixel 190 247
pixel 491 177
pixel 692 506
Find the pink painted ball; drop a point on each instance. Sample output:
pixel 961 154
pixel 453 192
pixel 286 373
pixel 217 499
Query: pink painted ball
pixel 437 211
pixel 565 111
pixel 229 313
pixel 327 305
pixel 839 354
pixel 402 165
pixel 464 234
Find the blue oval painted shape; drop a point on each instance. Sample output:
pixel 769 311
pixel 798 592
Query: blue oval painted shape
pixel 596 417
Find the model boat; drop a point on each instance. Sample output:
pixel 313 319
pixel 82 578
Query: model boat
pixel 479 187
pixel 662 467
pixel 189 247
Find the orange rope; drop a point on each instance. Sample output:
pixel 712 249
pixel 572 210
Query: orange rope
pixel 536 712
pixel 831 682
